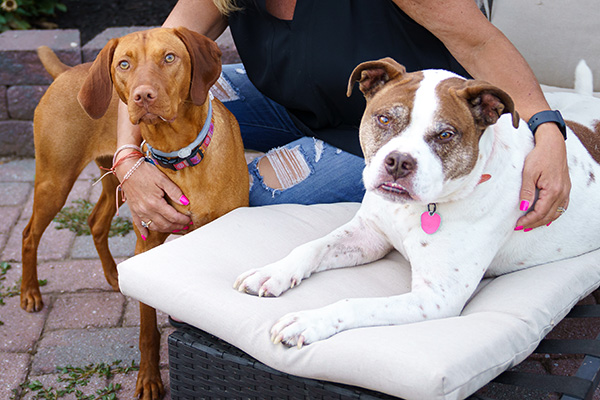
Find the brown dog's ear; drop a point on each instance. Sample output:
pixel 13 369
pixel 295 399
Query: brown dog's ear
pixel 372 75
pixel 96 92
pixel 488 103
pixel 205 56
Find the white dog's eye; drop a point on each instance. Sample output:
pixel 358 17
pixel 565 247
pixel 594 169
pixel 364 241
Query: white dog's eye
pixel 383 120
pixel 169 58
pixel 124 64
pixel 445 135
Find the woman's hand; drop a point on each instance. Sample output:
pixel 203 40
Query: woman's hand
pixel 545 169
pixel 145 192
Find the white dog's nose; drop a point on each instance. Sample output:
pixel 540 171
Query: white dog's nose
pixel 398 165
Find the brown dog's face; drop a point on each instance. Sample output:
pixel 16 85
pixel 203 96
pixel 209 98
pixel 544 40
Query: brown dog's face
pixel 151 72
pixel 155 72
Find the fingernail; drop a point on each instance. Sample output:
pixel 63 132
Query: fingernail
pixel 524 205
pixel 143 238
pixel 176 231
pixel 192 223
pixel 518 228
pixel 527 230
pixel 548 224
pixel 185 228
pixel 183 200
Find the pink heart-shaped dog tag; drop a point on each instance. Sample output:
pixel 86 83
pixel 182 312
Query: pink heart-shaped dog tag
pixel 430 222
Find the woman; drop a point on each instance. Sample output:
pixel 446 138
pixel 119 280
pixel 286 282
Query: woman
pixel 300 54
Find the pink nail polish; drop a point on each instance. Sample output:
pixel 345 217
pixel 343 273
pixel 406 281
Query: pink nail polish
pixel 518 228
pixel 176 231
pixel 527 230
pixel 183 200
pixel 548 224
pixel 143 238
pixel 192 223
pixel 524 205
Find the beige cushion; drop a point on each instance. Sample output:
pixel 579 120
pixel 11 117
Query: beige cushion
pixel 191 278
pixel 552 35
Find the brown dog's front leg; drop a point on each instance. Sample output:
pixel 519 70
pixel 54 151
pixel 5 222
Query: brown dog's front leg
pixel 149 385
pixel 31 298
pixel 100 220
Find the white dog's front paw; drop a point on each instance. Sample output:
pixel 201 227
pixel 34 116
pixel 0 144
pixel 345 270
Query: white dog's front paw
pixel 303 327
pixel 267 281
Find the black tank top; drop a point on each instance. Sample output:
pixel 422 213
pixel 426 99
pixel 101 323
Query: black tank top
pixel 304 64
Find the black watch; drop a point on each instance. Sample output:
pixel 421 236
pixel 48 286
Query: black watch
pixel 548 116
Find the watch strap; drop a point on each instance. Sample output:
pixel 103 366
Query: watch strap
pixel 548 116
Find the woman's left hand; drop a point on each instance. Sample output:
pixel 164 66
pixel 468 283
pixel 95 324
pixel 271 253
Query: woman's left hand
pixel 545 169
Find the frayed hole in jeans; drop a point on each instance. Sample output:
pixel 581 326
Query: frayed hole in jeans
pixel 283 168
pixel 223 90
pixel 319 144
pixel 251 181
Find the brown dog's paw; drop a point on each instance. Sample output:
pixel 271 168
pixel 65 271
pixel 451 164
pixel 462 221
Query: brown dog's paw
pixel 113 280
pixel 149 386
pixel 31 300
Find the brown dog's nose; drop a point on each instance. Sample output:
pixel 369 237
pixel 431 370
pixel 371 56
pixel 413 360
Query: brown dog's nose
pixel 399 164
pixel 144 95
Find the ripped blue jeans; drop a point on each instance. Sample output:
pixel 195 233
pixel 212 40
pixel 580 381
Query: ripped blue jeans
pixel 308 170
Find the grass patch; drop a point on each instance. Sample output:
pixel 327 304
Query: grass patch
pixel 74 218
pixel 10 291
pixel 72 380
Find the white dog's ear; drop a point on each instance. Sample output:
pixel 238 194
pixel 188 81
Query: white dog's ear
pixel 372 75
pixel 488 103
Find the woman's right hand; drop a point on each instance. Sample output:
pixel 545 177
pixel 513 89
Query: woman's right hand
pixel 145 192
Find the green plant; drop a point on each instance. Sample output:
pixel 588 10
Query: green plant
pixel 72 378
pixel 21 14
pixel 6 292
pixel 74 218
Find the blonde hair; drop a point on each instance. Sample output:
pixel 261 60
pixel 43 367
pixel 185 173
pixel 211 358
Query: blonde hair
pixel 226 7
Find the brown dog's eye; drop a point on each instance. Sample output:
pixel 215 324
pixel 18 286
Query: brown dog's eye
pixel 169 58
pixel 124 65
pixel 383 120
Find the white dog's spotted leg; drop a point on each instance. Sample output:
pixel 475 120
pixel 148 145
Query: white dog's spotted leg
pixel 429 299
pixel 352 244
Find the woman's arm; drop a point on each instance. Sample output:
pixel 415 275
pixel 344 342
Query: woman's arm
pixel 487 54
pixel 145 189
pixel 197 15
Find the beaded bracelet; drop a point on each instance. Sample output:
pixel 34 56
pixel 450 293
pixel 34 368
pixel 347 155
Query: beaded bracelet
pixel 136 154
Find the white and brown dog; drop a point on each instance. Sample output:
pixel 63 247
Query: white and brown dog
pixel 444 158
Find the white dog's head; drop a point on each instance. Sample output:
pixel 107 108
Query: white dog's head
pixel 420 132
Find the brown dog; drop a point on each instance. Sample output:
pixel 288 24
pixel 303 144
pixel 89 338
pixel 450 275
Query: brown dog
pixel 164 77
